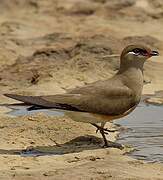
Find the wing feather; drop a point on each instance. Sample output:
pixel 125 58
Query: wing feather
pixel 110 97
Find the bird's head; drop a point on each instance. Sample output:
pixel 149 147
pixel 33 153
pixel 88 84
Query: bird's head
pixel 138 52
pixel 136 55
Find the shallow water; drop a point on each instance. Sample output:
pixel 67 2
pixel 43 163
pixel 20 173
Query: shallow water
pixel 144 130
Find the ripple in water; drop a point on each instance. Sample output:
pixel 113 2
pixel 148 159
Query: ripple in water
pixel 145 132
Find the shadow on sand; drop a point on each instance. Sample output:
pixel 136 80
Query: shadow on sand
pixel 75 145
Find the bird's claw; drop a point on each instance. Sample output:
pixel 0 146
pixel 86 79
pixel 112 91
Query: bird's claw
pixel 105 130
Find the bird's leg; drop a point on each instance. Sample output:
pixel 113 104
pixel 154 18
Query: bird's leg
pixel 104 138
pixel 103 132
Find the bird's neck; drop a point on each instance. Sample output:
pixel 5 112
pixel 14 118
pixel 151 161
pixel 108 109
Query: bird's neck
pixel 132 77
pixel 131 64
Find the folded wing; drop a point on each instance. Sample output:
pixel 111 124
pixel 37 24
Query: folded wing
pixel 109 101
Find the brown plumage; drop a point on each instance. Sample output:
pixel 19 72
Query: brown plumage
pixel 114 97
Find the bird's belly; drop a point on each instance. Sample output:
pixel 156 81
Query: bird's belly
pixel 93 117
pixel 88 117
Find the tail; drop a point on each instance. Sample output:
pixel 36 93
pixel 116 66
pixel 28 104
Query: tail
pixel 41 102
pixel 25 99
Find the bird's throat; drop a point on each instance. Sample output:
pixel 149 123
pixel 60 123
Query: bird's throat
pixel 133 78
pixel 131 64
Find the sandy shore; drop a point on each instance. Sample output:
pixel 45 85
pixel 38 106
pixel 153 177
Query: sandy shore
pixel 49 46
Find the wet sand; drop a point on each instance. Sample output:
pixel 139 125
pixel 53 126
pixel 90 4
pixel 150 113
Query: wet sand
pixel 49 46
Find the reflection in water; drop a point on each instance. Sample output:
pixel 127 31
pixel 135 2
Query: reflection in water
pixel 145 130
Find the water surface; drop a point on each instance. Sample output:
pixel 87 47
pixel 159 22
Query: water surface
pixel 145 132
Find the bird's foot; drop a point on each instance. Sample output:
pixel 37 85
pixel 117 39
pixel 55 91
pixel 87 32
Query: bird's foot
pixel 105 130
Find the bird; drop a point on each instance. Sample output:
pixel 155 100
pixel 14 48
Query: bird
pixel 102 101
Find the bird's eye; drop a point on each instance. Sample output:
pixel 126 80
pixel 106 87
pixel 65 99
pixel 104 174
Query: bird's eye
pixel 136 51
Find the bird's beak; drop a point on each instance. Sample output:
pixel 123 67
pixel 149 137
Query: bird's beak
pixel 154 53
